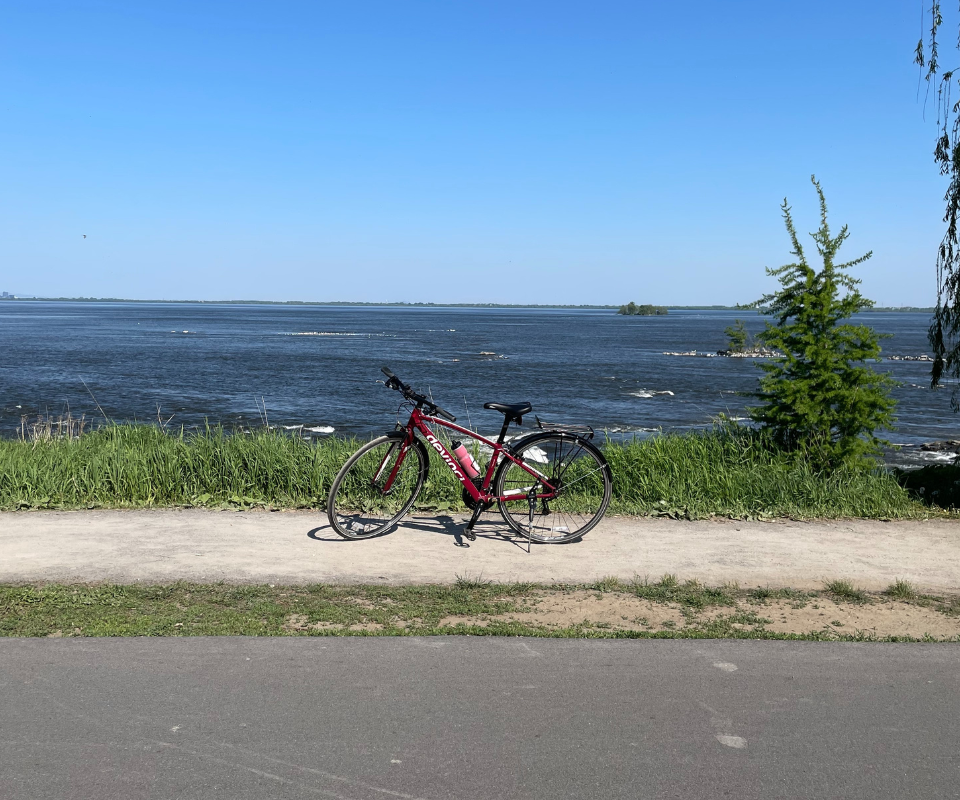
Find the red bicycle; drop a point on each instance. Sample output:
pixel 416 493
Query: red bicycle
pixel 551 486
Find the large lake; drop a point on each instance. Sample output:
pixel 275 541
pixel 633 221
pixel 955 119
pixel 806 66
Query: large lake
pixel 216 362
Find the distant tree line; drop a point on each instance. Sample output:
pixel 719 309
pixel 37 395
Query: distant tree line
pixel 633 310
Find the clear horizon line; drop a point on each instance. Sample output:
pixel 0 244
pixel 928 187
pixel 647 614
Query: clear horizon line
pixel 678 306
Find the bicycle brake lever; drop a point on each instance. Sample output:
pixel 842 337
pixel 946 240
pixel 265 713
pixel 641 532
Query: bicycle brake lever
pixel 391 383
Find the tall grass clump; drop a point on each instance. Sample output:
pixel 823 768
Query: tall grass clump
pixel 733 470
pixel 140 465
pixel 729 470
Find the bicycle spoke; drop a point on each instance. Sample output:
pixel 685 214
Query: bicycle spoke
pixel 571 461
pixel 581 481
pixel 568 484
pixel 375 489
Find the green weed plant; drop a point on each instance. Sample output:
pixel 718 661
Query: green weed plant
pixel 729 470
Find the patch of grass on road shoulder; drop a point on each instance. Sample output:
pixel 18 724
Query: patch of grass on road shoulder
pixel 223 610
pixel 608 609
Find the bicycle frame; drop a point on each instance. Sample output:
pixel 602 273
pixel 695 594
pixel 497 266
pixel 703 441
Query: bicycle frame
pixel 421 422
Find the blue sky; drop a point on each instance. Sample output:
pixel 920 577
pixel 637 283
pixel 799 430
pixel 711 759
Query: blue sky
pixel 549 152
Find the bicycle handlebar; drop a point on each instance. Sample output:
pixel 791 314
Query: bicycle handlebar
pixel 393 382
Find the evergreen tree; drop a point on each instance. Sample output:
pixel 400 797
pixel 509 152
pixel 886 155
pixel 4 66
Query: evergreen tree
pixel 738 336
pixel 821 397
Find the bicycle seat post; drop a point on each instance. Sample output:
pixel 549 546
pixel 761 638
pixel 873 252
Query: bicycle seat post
pixel 503 430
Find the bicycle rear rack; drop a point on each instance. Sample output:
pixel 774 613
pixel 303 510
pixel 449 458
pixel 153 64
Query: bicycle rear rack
pixel 577 430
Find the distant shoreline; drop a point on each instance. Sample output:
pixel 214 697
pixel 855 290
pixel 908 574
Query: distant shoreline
pixel 877 309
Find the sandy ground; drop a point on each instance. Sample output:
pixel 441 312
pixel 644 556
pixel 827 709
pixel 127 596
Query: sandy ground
pixel 298 547
pixel 878 617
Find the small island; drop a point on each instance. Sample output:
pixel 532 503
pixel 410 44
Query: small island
pixel 633 310
pixel 741 346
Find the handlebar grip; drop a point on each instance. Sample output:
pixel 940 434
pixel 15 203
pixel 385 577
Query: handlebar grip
pixel 387 372
pixel 445 414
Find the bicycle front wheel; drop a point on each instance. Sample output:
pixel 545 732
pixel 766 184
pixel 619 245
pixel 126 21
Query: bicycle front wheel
pixel 377 486
pixel 578 472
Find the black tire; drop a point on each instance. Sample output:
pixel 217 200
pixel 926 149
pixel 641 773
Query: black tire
pixel 585 482
pixel 356 507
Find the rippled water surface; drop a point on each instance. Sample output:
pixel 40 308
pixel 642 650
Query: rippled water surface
pixel 215 362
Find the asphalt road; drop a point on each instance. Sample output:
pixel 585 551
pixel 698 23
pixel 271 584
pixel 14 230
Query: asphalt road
pixel 164 545
pixel 381 718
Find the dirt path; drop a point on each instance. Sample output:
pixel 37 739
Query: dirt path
pixel 298 547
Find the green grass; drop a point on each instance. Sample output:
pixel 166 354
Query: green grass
pixel 902 590
pixel 691 594
pixel 762 594
pixel 734 471
pixel 467 607
pixel 728 471
pixel 225 610
pixel 846 591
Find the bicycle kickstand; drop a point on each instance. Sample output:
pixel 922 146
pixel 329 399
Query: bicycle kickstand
pixel 532 502
pixel 468 530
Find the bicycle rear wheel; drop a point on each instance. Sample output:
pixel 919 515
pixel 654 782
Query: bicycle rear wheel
pixel 377 486
pixel 578 471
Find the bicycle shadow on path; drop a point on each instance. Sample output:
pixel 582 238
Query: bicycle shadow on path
pixel 490 530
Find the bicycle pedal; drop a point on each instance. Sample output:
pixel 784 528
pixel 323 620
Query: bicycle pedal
pixel 469 534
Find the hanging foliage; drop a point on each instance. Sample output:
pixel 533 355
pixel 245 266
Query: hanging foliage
pixel 944 332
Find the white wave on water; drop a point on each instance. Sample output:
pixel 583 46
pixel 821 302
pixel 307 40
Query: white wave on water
pixel 938 456
pixel 314 429
pixel 331 333
pixel 645 393
pixel 630 429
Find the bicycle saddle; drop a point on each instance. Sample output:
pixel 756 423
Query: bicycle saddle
pixel 511 410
